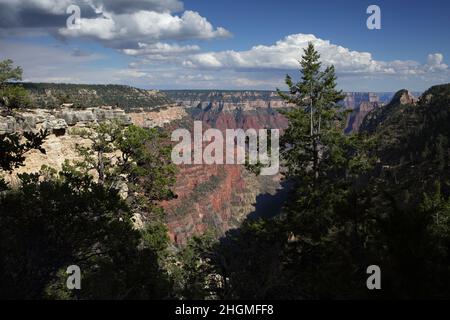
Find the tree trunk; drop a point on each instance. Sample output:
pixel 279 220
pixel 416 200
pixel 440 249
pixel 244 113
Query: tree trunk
pixel 101 168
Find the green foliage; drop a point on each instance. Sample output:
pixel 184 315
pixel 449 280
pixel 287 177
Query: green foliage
pixel 52 95
pixel 47 226
pixel 132 156
pixel 316 121
pixel 193 272
pixel 376 198
pixel 8 73
pixel 13 148
pixel 99 155
pixel 155 237
pixel 12 96
pixel 146 159
pixel 53 220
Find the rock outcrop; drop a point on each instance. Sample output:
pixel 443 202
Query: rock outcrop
pixel 377 117
pixel 8 124
pixel 403 97
pixel 360 103
pixel 157 118
pixel 357 116
pixel 227 100
pixel 57 121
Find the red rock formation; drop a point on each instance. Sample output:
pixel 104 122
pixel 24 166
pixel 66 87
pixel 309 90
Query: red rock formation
pixel 356 118
pixel 195 210
pixel 216 196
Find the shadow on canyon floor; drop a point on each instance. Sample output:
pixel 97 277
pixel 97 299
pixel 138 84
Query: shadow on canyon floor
pixel 267 206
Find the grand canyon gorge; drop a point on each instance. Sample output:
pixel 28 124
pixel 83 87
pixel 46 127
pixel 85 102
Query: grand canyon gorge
pixel 217 197
pixel 215 157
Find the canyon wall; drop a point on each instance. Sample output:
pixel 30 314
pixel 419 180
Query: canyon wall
pixel 358 103
pixel 219 197
pixel 60 144
pixel 209 197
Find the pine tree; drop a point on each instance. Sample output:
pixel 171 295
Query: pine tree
pixel 315 116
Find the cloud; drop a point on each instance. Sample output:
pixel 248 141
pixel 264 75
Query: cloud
pixel 60 64
pixel 80 53
pixel 146 26
pixel 284 55
pixel 50 63
pixel 160 48
pixel 159 52
pixel 116 23
pixel 121 6
pixel 59 7
pixel 435 62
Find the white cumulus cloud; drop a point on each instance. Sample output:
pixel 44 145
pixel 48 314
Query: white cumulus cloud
pixel 116 23
pixel 284 55
pixel 146 26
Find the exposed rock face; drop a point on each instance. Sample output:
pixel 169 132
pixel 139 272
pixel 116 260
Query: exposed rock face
pixel 403 97
pixel 159 118
pixel 353 100
pixel 73 117
pixel 219 197
pixel 209 196
pixel 399 103
pixel 357 116
pixel 57 150
pixel 360 104
pixel 7 124
pixel 205 200
pixel 110 114
pixel 57 120
pixel 227 100
pixel 55 125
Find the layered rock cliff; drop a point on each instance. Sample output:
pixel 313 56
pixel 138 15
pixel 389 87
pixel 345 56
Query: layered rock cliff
pixel 359 103
pixel 60 144
pixel 219 197
pixel 227 100
pixel 58 120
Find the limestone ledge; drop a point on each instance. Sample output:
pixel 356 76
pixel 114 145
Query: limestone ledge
pixel 57 121
pixel 60 145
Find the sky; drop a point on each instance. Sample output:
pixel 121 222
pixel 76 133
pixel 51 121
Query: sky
pixel 226 44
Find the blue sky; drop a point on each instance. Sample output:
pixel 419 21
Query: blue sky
pixel 224 44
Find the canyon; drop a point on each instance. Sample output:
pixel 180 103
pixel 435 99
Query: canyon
pixel 213 198
pixel 209 197
pixel 218 198
pixel 358 104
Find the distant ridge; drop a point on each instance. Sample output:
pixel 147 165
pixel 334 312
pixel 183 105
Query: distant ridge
pixel 53 95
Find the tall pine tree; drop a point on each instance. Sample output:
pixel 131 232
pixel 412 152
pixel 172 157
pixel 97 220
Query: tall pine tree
pixel 314 120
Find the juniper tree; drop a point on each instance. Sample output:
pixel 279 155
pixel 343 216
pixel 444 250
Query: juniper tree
pixel 14 146
pixel 11 95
